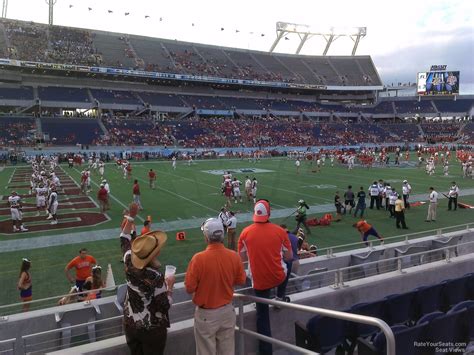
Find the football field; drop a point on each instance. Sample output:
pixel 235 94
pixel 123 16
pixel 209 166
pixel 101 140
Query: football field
pixel 187 196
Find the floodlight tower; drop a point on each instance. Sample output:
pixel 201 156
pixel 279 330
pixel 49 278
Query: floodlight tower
pixel 330 34
pixel 50 4
pixel 4 8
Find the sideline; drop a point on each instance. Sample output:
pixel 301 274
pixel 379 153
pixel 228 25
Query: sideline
pixel 168 226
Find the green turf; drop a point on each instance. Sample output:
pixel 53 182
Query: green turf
pixel 189 192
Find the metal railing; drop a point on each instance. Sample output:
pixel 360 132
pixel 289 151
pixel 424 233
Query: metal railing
pixel 335 275
pixel 314 310
pixel 329 251
pixel 6 348
pixel 48 348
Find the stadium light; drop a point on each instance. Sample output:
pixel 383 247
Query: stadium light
pixel 50 4
pixel 330 34
pixel 4 8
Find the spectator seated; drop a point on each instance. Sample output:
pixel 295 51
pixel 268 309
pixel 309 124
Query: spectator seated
pixel 63 94
pixel 17 131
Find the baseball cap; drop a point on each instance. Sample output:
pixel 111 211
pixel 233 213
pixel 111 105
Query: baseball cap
pixel 213 229
pixel 261 211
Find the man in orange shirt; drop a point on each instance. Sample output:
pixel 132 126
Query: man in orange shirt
pixel 365 230
pixel 83 265
pixel 152 179
pixel 262 244
pixel 210 278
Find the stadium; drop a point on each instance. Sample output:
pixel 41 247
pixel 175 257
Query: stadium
pixel 103 133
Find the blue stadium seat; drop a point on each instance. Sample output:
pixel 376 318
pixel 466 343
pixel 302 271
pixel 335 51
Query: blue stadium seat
pixel 323 333
pixel 450 327
pixel 404 340
pixel 375 309
pixel 462 305
pixel 429 299
pixel 470 286
pixel 454 291
pixel 429 317
pixel 400 308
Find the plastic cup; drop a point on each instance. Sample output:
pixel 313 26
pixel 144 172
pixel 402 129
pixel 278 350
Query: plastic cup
pixel 170 270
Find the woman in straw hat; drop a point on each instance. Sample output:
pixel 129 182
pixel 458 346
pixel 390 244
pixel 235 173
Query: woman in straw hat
pixel 148 297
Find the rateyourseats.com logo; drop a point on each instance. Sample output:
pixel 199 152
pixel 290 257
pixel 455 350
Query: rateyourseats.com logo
pixel 441 346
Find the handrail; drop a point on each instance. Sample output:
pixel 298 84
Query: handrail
pixel 325 312
pixel 247 288
pixel 52 331
pixel 406 236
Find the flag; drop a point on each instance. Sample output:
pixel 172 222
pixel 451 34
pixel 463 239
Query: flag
pixel 110 280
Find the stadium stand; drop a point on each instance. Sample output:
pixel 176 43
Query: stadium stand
pixel 14 131
pixel 71 131
pixel 11 93
pixel 63 94
pixel 413 106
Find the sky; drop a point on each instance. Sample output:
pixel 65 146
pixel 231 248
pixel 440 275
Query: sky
pixel 403 36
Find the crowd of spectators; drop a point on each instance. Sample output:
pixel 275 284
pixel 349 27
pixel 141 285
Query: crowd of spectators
pixel 28 41
pixel 15 132
pixel 72 46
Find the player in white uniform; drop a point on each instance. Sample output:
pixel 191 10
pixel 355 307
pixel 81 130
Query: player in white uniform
pixel 446 168
pixel 331 158
pixel 350 162
pixel 173 163
pixel 124 169
pixel 236 190
pixel 101 169
pixel 297 164
pixel 53 205
pixel 41 193
pixel 15 209
pixel 254 190
pixel 55 180
pixel 248 188
pixel 88 181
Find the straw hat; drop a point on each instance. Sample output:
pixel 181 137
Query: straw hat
pixel 146 247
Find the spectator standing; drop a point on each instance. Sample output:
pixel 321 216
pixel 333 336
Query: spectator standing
pixel 453 197
pixel 360 202
pixel 291 266
pixel 136 194
pixel 102 197
pixel 25 284
pixel 433 205
pixel 210 278
pixel 83 265
pixel 406 190
pixel 146 226
pixel 263 244
pixel 96 282
pixel 148 298
pixel 400 213
pixel 151 179
pixel 231 230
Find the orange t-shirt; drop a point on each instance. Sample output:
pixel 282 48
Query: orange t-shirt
pixel 265 244
pixel 212 275
pixel 145 230
pixel 363 226
pixel 83 266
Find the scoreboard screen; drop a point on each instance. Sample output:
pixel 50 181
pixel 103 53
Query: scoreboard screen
pixel 438 83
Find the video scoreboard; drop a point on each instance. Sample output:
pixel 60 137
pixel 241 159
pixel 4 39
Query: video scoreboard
pixel 438 81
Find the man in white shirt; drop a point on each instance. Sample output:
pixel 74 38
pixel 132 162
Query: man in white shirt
pixel 406 190
pixel 453 196
pixel 431 217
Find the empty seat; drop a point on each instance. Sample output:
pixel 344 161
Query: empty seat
pixel 429 299
pixel 449 328
pixel 454 291
pixel 321 334
pixel 375 309
pixel 400 308
pixel 429 317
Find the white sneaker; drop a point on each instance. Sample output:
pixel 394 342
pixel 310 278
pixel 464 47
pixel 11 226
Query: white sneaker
pixel 15 229
pixel 23 229
pixel 50 216
pixel 54 222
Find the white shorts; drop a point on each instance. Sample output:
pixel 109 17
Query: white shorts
pixel 254 192
pixel 40 201
pixel 101 171
pixel 17 215
pixel 53 208
pixel 237 192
